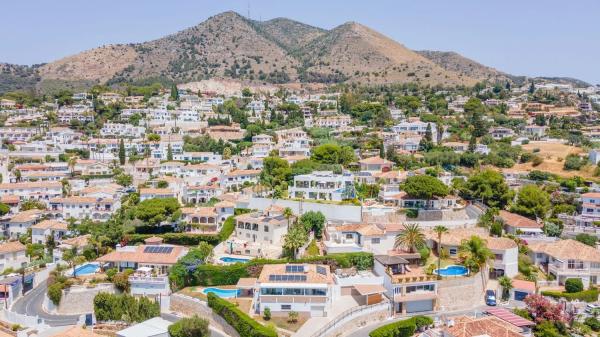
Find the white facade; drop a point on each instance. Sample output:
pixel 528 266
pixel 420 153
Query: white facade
pixel 321 185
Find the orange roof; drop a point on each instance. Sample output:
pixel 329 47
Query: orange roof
pixel 523 285
pixel 138 255
pixel 9 199
pixel 518 221
pixel 76 331
pixel 375 161
pixel 484 326
pixel 50 224
pixel 12 246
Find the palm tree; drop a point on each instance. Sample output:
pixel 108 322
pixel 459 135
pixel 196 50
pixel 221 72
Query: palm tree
pixel 506 284
pixel 440 230
pixel 288 214
pixel 475 254
pixel 72 163
pixel 410 237
pixel 294 239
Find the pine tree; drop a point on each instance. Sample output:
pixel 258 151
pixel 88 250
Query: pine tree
pixel 169 152
pixel 122 152
pixel 472 144
pixel 174 92
pixel 532 88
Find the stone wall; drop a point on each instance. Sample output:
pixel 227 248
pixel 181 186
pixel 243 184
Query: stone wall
pixel 461 293
pixel 191 306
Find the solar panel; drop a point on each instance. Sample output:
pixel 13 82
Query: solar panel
pixel 288 278
pixel 321 270
pixel 158 250
pixel 294 268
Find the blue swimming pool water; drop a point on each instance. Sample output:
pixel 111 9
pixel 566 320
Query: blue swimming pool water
pixel 453 270
pixel 228 259
pixel 224 293
pixel 86 269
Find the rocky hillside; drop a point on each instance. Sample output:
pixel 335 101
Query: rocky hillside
pixel 459 64
pixel 229 46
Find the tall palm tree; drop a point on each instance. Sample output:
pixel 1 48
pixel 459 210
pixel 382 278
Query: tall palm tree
pixel 475 254
pixel 506 284
pixel 440 230
pixel 288 214
pixel 72 162
pixel 411 237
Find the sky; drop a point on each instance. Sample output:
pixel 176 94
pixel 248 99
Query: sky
pixel 521 37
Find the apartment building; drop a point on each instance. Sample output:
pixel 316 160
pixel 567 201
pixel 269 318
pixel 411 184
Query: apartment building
pixel 12 255
pixel 122 130
pixel 18 224
pixel 81 207
pixel 322 185
pixel 194 194
pixel 13 134
pixel 38 190
pixel 307 289
pixel 566 259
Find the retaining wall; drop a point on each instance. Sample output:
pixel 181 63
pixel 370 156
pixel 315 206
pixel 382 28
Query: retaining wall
pixel 190 306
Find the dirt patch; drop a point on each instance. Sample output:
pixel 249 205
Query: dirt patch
pixel 552 150
pixel 554 155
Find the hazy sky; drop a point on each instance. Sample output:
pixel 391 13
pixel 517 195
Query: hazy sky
pixel 522 37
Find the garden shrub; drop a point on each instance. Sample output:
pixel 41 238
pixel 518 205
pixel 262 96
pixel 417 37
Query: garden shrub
pixel 573 285
pixel 123 307
pixel 590 295
pixel 404 328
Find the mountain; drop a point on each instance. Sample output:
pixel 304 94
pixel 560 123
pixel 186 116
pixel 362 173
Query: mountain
pixel 230 46
pixel 457 63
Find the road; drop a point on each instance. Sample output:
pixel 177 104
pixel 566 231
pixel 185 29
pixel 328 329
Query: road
pixel 364 331
pixel 31 305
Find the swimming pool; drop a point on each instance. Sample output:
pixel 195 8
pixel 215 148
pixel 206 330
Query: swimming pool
pixel 224 293
pixel 453 270
pixel 228 259
pixel 86 269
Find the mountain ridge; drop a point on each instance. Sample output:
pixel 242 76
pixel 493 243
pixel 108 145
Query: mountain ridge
pixel 276 51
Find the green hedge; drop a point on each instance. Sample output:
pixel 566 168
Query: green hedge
pixel 213 275
pixel 404 328
pixel 227 228
pixel 242 323
pixel 183 239
pixel 590 295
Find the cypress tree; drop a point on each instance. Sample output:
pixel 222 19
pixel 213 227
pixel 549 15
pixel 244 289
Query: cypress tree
pixel 122 152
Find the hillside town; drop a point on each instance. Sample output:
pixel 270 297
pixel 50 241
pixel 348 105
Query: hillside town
pixel 293 213
pixel 250 177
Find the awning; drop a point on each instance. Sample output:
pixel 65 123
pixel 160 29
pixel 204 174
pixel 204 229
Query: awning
pixel 144 269
pixel 369 289
pixel 510 317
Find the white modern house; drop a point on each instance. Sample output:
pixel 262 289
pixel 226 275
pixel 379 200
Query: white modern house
pixel 307 289
pixel 322 185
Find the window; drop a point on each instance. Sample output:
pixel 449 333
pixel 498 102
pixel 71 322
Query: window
pixel 286 307
pixel 575 264
pixel 315 292
pixel 349 236
pixel 293 291
pixel 452 251
pixel 266 228
pixel 420 288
